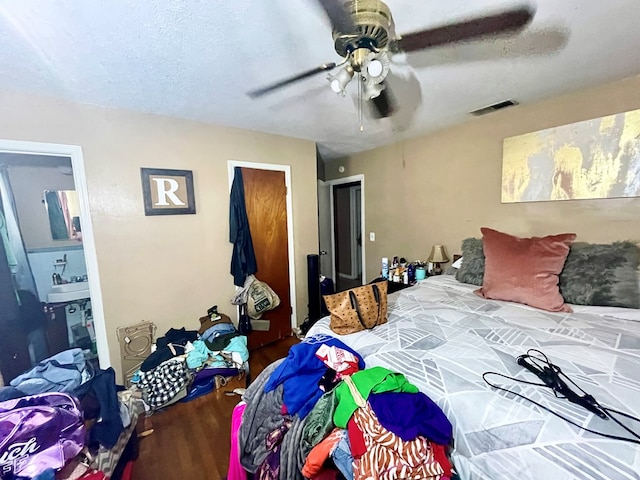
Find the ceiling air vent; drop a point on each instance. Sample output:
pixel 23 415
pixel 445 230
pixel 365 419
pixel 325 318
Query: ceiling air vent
pixel 493 108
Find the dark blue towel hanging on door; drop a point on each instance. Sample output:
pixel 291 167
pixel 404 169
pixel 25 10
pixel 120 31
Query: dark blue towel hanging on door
pixel 243 260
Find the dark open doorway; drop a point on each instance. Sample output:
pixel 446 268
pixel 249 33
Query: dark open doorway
pixel 347 215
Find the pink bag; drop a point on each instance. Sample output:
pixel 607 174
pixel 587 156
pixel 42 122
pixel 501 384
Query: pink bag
pixel 39 432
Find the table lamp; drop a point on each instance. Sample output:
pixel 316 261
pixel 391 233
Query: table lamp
pixel 438 256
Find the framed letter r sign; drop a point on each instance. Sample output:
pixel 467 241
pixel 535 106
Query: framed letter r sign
pixel 167 192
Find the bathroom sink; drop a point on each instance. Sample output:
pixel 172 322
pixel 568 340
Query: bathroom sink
pixel 68 292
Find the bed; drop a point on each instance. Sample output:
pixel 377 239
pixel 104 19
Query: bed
pixel 443 337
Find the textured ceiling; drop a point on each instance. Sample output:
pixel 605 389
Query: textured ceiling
pixel 197 59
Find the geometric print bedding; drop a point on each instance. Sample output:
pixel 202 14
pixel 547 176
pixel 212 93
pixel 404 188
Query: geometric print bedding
pixel 442 337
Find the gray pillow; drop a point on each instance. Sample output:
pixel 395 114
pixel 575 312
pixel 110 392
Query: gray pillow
pixel 602 275
pixel 472 268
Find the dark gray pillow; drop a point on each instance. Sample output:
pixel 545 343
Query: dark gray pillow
pixel 601 275
pixel 472 268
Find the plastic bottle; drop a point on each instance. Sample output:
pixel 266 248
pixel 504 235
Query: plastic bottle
pixel 385 268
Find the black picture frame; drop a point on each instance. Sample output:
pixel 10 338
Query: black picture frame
pixel 174 186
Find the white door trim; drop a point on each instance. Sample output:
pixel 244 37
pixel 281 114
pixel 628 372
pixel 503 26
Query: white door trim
pixel 341 181
pixel 231 164
pixel 88 241
pixel 324 229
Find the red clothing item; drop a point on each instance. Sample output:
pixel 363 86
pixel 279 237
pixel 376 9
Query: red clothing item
pixel 356 440
pixel 327 474
pixel 440 454
pixel 102 476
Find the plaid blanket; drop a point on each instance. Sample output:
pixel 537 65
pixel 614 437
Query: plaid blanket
pixel 164 382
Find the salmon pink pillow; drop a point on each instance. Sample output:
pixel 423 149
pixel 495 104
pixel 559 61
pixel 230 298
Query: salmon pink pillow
pixel 525 270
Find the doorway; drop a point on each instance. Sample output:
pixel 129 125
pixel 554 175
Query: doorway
pixel 69 159
pixel 344 219
pixel 347 234
pixel 268 203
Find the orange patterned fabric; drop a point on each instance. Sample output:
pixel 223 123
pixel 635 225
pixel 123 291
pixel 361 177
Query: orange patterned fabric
pixel 388 456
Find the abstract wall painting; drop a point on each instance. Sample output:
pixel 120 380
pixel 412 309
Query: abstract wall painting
pixel 597 158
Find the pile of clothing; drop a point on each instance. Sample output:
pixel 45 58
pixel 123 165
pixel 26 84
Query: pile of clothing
pixel 107 418
pixel 96 389
pixel 320 414
pixel 186 363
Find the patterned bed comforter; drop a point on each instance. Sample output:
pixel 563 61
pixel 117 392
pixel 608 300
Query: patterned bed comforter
pixel 443 338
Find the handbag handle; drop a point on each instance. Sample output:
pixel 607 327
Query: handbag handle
pixel 356 306
pixel 376 295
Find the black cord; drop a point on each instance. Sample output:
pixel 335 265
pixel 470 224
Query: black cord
pixel 550 375
pixel 606 410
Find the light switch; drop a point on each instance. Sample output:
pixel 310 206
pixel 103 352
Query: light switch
pixel 372 236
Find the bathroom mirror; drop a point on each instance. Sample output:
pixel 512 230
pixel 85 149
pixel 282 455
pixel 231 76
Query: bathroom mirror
pixel 63 210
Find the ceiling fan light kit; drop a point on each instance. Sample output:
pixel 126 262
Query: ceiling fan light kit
pixel 372 91
pixel 364 36
pixel 376 68
pixel 340 80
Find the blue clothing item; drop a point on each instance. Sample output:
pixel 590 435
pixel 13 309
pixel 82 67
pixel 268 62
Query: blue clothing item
pixel 342 457
pixel 48 474
pixel 301 371
pixel 411 414
pixel 10 393
pixel 101 392
pixel 199 354
pixel 243 258
pixel 217 330
pixel 60 373
pixel 238 345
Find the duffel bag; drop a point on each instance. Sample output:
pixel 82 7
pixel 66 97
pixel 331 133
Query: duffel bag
pixel 39 432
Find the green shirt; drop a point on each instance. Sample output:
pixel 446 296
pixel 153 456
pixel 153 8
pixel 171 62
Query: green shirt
pixel 367 381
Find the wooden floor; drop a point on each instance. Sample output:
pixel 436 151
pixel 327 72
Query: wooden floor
pixel 191 440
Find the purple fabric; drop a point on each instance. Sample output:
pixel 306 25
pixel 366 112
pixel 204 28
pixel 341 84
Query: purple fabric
pixel 39 432
pixel 301 371
pixel 411 414
pixel 270 468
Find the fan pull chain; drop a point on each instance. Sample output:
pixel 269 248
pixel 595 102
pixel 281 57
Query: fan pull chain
pixel 360 104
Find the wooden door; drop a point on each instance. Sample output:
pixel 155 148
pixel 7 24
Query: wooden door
pixel 265 196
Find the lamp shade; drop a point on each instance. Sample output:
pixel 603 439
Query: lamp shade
pixel 438 254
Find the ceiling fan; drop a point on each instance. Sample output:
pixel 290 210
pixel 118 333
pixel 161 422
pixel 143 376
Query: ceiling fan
pixel 364 36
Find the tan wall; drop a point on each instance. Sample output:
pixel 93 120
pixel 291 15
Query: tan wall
pixel 442 187
pixel 28 185
pixel 166 269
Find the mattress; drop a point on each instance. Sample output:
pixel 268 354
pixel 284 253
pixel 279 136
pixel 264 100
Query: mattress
pixel 443 338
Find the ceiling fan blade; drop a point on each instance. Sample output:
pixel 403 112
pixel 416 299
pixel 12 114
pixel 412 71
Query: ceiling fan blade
pixel 340 19
pixel 384 104
pixel 507 21
pixel 325 67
